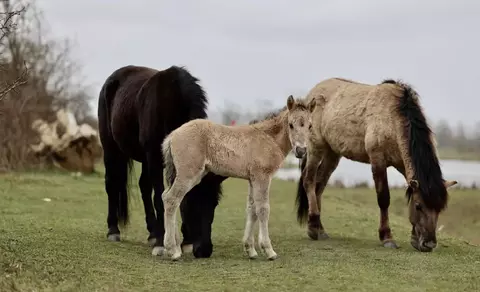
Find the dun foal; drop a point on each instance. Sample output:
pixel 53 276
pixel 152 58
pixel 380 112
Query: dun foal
pixel 253 152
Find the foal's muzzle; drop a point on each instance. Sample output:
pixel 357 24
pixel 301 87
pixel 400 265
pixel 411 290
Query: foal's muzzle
pixel 300 151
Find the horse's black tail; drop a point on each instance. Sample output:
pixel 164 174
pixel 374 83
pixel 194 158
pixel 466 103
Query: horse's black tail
pixel 302 199
pixel 123 169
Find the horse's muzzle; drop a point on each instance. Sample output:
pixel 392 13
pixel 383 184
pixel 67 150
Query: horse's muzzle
pixel 300 151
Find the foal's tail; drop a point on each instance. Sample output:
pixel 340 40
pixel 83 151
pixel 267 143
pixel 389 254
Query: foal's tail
pixel 170 171
pixel 302 199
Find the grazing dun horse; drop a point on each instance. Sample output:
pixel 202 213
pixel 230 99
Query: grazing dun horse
pixel 382 125
pixel 137 108
pixel 253 152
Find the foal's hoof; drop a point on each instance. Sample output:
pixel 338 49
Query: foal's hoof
pixel 158 250
pixel 272 257
pixel 390 244
pixel 251 253
pixel 113 237
pixel 176 256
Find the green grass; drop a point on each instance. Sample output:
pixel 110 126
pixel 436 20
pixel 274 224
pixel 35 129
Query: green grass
pixel 61 245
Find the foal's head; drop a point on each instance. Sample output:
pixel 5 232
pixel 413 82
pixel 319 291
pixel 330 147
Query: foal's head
pixel 299 124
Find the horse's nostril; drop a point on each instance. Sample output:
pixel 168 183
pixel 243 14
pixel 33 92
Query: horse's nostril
pixel 301 151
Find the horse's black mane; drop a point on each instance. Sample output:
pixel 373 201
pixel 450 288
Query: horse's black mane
pixel 421 149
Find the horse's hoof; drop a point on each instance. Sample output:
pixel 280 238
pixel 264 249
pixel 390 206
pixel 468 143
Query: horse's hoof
pixel 187 248
pixel 113 237
pixel 323 235
pixel 152 241
pixel 390 244
pixel 313 234
pixel 203 250
pixel 157 250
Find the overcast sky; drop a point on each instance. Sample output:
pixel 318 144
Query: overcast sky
pixel 248 50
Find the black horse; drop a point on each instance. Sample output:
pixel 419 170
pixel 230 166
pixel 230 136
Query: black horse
pixel 137 108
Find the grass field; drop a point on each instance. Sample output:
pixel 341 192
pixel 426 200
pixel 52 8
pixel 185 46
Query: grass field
pixel 61 246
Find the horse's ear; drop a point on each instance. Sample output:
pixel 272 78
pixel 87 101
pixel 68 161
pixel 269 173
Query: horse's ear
pixel 290 102
pixel 311 105
pixel 413 184
pixel 449 183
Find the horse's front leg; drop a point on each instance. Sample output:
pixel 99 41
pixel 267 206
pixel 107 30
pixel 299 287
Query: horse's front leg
pixel 309 180
pixel 328 165
pixel 379 171
pixel 261 193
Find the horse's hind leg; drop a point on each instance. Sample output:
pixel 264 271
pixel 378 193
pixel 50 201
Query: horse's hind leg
pixel 379 171
pixel 155 171
pixel 146 189
pixel 248 237
pixel 261 189
pixel 116 175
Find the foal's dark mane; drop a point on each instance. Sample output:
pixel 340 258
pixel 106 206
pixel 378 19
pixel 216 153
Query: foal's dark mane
pixel 421 150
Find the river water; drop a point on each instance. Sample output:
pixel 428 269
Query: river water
pixel 351 173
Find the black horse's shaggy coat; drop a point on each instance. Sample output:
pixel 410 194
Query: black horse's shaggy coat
pixel 137 108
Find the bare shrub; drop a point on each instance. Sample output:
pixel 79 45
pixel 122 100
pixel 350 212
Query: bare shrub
pixel 51 82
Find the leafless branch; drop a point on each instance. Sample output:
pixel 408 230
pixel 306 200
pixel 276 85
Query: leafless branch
pixel 22 79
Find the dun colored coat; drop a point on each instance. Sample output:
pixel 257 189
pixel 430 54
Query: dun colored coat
pixel 382 125
pixel 253 152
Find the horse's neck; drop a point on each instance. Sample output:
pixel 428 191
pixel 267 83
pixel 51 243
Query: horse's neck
pixel 277 129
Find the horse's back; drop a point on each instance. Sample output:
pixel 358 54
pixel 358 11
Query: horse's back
pixel 355 115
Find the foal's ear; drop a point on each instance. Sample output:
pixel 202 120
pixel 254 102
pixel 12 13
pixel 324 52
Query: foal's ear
pixel 449 183
pixel 311 105
pixel 290 102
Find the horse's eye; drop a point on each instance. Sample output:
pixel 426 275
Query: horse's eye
pixel 418 207
pixel 310 126
pixel 302 124
pixel 291 126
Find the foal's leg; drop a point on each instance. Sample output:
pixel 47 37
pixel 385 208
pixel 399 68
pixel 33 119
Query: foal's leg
pixel 248 236
pixel 379 171
pixel 171 199
pixel 146 189
pixel 328 165
pixel 261 189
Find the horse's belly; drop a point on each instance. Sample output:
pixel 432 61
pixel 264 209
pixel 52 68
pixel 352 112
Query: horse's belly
pixel 348 142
